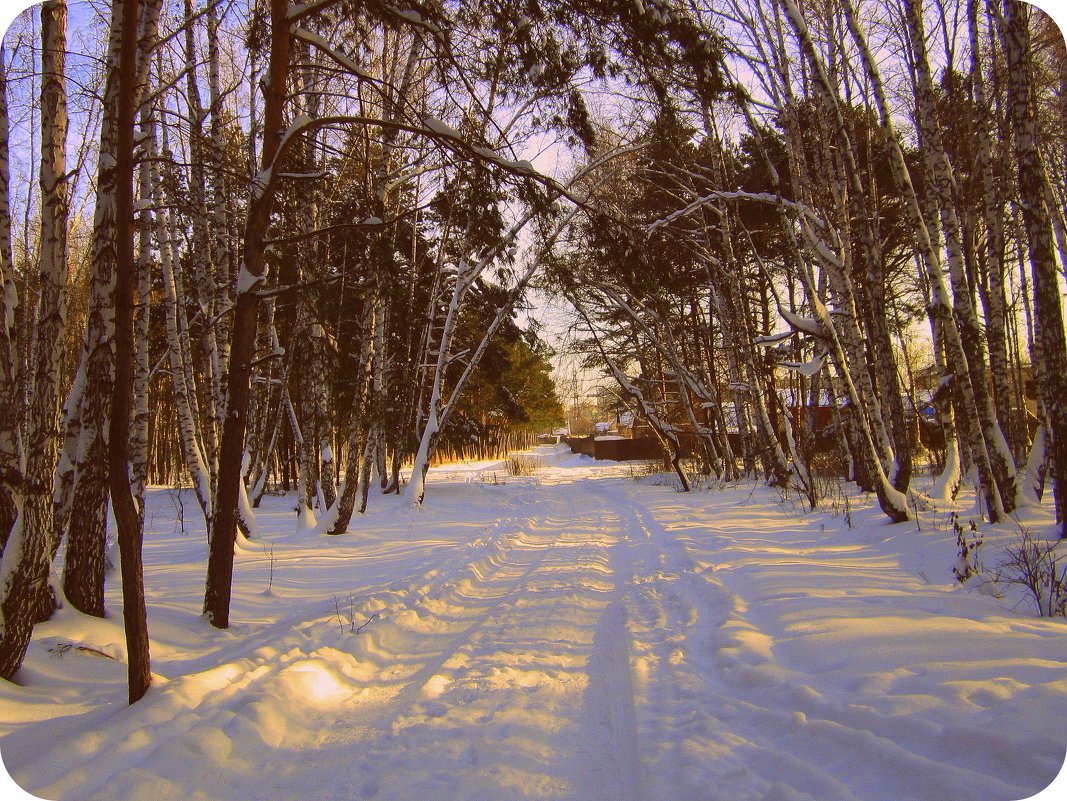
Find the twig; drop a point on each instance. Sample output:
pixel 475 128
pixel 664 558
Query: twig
pixel 368 621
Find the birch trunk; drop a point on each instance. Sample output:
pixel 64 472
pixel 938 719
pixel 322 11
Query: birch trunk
pixel 222 268
pixel 25 564
pixel 11 453
pixel 891 500
pixel 931 258
pixel 145 262
pixel 359 425
pixel 202 281
pixel 179 349
pixel 940 178
pixel 993 218
pixel 84 566
pixel 1033 194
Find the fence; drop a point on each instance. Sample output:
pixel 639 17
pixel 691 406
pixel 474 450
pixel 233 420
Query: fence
pixel 617 450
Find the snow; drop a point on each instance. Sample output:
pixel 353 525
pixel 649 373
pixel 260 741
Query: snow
pixel 769 340
pixel 439 127
pixel 260 181
pixel 806 325
pixel 522 165
pixel 246 282
pixel 827 255
pixel 808 368
pixel 517 166
pixel 573 634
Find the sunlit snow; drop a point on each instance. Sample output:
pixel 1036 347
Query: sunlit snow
pixel 573 634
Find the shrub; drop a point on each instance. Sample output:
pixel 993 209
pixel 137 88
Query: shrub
pixel 1035 566
pixel 643 469
pixel 520 465
pixel 970 543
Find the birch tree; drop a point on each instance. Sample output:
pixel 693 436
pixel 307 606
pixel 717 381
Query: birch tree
pixel 89 403
pixel 24 569
pixel 11 453
pixel 1034 194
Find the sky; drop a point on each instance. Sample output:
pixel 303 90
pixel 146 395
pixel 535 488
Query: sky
pixel 550 158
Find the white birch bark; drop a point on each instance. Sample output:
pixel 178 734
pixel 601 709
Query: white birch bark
pixel 201 283
pixel 25 563
pixel 993 218
pixel 931 258
pixel 145 264
pixel 11 452
pixel 84 565
pixel 941 179
pixel 1033 195
pixel 179 350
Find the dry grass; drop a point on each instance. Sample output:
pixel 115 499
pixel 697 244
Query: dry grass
pixel 520 465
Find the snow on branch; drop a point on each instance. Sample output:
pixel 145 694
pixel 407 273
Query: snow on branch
pixel 804 325
pixel 298 11
pixel 342 60
pixel 769 340
pixel 414 18
pixel 265 178
pixel 246 282
pixel 757 197
pixel 442 128
pixel 809 368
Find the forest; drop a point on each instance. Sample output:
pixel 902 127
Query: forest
pixel 260 245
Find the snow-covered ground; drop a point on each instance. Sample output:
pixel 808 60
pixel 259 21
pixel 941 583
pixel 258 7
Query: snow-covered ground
pixel 572 634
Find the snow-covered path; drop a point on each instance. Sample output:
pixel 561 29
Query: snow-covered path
pixel 571 635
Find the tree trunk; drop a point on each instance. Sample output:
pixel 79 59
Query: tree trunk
pixel 128 520
pixel 11 479
pixel 84 567
pixel 1033 194
pixel 24 570
pixel 931 258
pixel 141 417
pixel 941 179
pixel 224 525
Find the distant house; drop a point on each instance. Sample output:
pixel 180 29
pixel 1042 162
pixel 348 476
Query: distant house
pixel 929 380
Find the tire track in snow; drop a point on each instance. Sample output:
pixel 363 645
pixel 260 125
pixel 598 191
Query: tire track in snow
pixel 439 655
pixel 577 648
pixel 609 709
pixel 488 703
pixel 749 729
pixel 245 670
pixel 687 629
